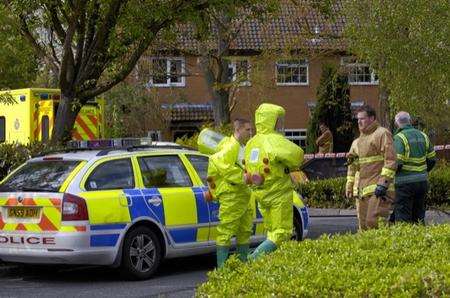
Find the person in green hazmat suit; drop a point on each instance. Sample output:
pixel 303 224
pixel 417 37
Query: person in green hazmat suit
pixel 269 160
pixel 226 184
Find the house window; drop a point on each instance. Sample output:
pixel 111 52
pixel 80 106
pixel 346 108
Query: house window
pixel 239 71
pixel 292 72
pixel 359 73
pixel 168 72
pixel 2 129
pixel 297 136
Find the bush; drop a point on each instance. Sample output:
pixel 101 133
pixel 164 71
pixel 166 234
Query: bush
pixel 191 141
pixel 330 193
pixel 400 261
pixel 13 155
pixel 327 193
pixel 439 183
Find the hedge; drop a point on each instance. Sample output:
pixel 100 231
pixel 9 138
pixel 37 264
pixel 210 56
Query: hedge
pixel 330 193
pixel 397 261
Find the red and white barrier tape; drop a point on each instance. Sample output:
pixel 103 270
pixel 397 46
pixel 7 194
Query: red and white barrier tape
pixel 344 154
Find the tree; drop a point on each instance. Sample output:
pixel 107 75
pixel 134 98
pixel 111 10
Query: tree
pixel 217 29
pixel 407 43
pixel 18 64
pixel 333 108
pixel 94 44
pixel 133 112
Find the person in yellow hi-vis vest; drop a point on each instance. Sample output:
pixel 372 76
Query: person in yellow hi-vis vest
pixel 269 159
pixel 372 154
pixel 226 184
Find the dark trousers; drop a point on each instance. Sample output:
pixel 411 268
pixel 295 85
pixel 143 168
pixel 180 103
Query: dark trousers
pixel 410 202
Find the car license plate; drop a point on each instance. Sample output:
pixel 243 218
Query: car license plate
pixel 23 212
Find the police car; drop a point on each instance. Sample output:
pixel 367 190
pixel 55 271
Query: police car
pixel 123 203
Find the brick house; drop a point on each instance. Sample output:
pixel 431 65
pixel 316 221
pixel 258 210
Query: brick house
pixel 281 62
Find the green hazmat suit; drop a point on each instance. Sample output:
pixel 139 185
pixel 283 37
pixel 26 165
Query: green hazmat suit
pixel 271 156
pixel 227 186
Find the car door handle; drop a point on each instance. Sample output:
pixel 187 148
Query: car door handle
pixel 155 201
pixel 125 201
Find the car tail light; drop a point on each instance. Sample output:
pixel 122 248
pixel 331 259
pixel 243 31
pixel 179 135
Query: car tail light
pixel 74 208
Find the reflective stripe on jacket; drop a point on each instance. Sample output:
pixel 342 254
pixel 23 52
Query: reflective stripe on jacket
pixel 413 148
pixel 373 155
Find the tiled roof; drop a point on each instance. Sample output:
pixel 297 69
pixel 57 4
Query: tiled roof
pixel 190 112
pixel 294 27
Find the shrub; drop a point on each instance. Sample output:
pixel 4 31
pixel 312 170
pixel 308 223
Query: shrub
pixel 399 261
pixel 327 193
pixel 191 141
pixel 330 193
pixel 439 184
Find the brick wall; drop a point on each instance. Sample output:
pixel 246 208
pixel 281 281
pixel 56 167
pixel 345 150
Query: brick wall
pixel 294 99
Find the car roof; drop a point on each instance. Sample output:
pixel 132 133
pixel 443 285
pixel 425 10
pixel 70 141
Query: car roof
pixel 89 155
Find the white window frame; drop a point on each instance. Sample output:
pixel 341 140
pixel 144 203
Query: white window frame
pixel 348 65
pixel 301 63
pixel 232 65
pixel 168 64
pixel 299 137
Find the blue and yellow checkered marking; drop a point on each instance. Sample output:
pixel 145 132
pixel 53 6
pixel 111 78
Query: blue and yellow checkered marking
pixel 305 217
pixel 139 206
pixel 179 207
pixel 202 206
pixel 104 240
pixel 184 235
pixel 108 227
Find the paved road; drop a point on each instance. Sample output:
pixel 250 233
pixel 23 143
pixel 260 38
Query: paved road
pixel 177 277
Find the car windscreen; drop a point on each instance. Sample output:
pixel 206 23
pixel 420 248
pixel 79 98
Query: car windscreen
pixel 42 176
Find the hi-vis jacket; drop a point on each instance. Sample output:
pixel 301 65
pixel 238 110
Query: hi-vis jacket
pixel 372 154
pixel 413 149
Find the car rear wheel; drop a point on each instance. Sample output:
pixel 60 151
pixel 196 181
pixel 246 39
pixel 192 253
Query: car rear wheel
pixel 141 254
pixel 297 230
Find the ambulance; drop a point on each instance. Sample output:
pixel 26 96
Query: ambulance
pixel 30 118
pixel 122 203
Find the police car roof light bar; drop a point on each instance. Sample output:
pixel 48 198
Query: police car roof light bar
pixel 100 144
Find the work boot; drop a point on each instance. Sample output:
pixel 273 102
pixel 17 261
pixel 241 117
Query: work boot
pixel 222 255
pixel 264 248
pixel 242 251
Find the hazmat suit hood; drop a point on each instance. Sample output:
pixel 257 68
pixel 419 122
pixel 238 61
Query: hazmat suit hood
pixel 266 117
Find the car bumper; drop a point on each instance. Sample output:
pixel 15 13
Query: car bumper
pixel 57 248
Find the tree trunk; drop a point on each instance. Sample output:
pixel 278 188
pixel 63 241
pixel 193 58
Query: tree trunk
pixel 65 119
pixel 221 108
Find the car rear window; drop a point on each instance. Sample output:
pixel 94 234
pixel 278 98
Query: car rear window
pixel 40 176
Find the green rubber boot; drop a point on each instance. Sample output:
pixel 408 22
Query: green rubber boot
pixel 264 248
pixel 222 255
pixel 242 251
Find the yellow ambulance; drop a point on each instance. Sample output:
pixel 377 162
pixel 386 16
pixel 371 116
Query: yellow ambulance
pixel 31 117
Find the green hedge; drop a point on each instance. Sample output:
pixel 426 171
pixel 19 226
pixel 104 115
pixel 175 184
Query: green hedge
pixel 330 193
pixel 400 261
pixel 13 155
pixel 439 193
